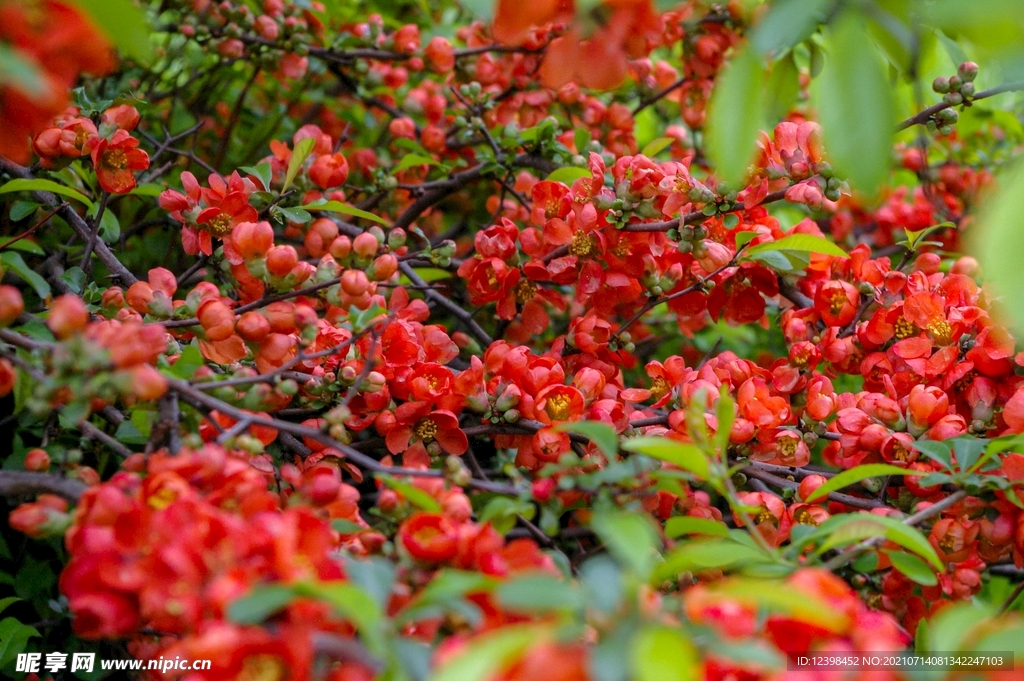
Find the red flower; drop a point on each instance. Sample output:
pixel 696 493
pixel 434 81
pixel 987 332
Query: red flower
pixel 115 159
pixel 429 537
pixel 416 422
pixel 836 302
pixel 559 403
pixel 228 207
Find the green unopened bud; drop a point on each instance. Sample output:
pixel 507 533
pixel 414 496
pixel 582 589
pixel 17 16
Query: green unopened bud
pixel 941 85
pixel 967 90
pixel 953 98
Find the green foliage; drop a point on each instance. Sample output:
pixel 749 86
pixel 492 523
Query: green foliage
pixel 856 106
pixel 999 239
pixel 344 209
pixel 27 185
pixel 735 115
pixel 124 23
pixel 687 456
pixel 855 475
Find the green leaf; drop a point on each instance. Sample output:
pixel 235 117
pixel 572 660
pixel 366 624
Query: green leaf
pixel 788 23
pixel 485 655
pixel 656 146
pixel 75 278
pixel 601 579
pixel 303 148
pixel 263 172
pixel 414 495
pixel 687 456
pixel 725 413
pixel 661 653
pixel 342 526
pixel 110 227
pixel 568 175
pixel 14 637
pixel 773 596
pixel 339 207
pixel 798 242
pixel 685 525
pixel 124 23
pixel 855 475
pixel 296 215
pixel 260 604
pixel 735 115
pixel 25 185
pixel 601 434
pixel 446 589
pixel 856 106
pixel 7 601
pixel 502 512
pixel 743 238
pixel 913 567
pixel 13 262
pixel 429 274
pixel 699 554
pixel 540 592
pixel 939 452
pixel 998 241
pixel 846 529
pixel 581 138
pixel 19 211
pixel 412 160
pixel 21 73
pixel 151 189
pixel 481 9
pixel 188 361
pixel 347 599
pixel 629 537
pixel 782 89
pixel 967 451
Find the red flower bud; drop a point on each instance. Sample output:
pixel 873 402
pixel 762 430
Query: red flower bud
pixel 281 260
pixel 11 305
pixel 328 171
pixel 68 316
pixel 253 239
pixel 37 460
pixel 365 245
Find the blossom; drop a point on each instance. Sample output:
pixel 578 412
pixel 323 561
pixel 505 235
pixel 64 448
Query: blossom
pixel 116 159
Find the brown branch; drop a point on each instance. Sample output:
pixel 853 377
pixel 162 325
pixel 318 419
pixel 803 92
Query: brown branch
pixel 78 224
pixel 16 484
pixel 922 117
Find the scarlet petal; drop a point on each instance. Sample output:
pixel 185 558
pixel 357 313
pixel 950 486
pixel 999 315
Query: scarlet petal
pixel 1013 412
pixel 398 438
pixel 910 348
pixel 453 441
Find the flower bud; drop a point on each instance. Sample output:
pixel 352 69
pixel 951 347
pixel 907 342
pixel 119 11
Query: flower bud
pixel 365 245
pixel 11 305
pixel 253 239
pixel 354 282
pixel 383 268
pixel 967 71
pixel 37 460
pixel 252 327
pixel 68 316
pixel 281 260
